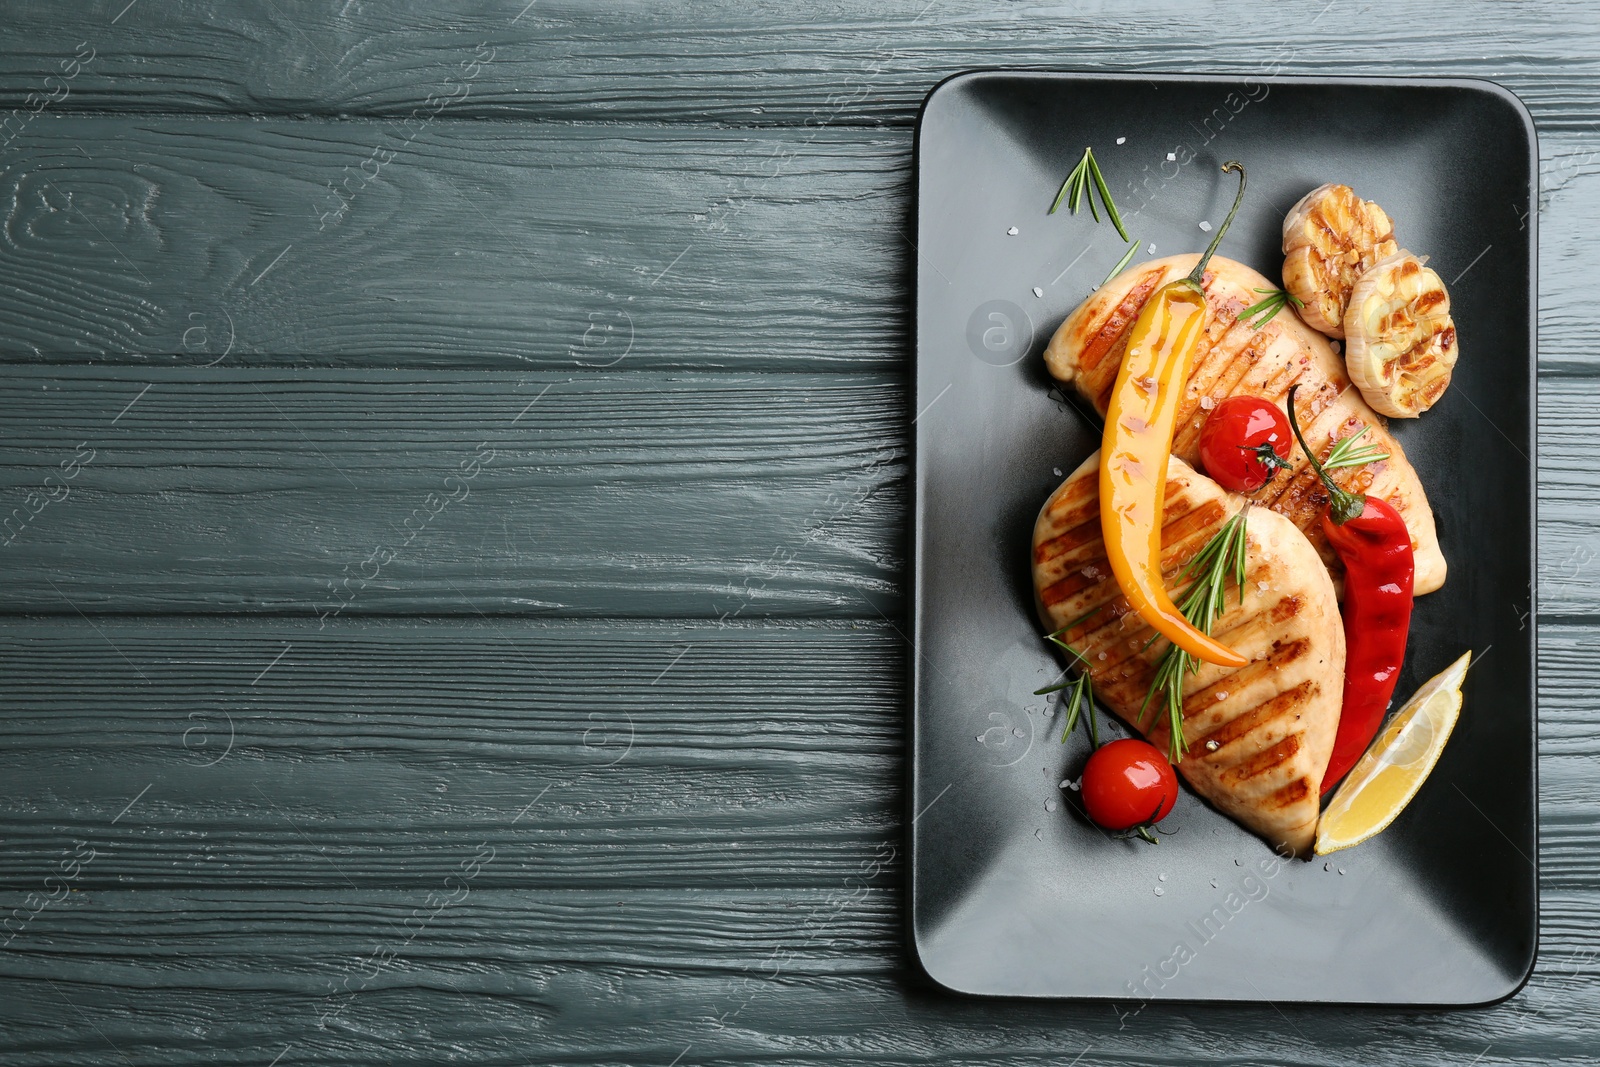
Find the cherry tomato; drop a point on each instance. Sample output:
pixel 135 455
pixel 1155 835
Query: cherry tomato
pixel 1128 783
pixel 1237 438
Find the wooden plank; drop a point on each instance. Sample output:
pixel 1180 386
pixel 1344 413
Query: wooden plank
pixel 366 752
pixel 643 976
pixel 185 241
pixel 222 489
pixel 1569 506
pixel 504 245
pixel 372 752
pixel 1569 207
pixel 854 63
pixel 332 492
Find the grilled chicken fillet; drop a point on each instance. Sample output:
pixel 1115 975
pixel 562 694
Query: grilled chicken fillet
pixel 1235 358
pixel 1259 736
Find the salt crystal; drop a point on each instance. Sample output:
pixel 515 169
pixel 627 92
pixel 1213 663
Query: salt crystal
pixel 1159 891
pixel 1050 805
pixel 1172 157
pixel 1161 877
pixel 1207 403
pixel 1012 231
pixel 1056 471
pixel 1038 291
pixel 1222 695
pixel 1204 225
pixel 1151 249
pixel 1101 656
pixel 1122 140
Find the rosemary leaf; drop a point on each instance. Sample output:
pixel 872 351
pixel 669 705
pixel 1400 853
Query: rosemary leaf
pixel 1081 700
pixel 1094 720
pixel 1074 707
pixel 1073 185
pixel 1066 186
pixel 1105 197
pixel 1127 257
pixel 1267 310
pixel 1075 623
pixel 1347 453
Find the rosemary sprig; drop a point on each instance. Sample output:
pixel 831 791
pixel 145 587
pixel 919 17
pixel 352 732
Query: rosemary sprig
pixel 1268 309
pixel 1082 696
pixel 1207 573
pixel 1346 453
pixel 1076 189
pixel 1127 257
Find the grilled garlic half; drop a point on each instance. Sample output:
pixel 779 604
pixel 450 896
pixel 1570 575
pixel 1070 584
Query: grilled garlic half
pixel 1400 346
pixel 1330 239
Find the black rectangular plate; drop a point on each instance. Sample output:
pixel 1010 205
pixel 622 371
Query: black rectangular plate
pixel 1013 892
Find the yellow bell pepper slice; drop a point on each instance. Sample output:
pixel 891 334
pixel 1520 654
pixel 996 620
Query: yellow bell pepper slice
pixel 1138 443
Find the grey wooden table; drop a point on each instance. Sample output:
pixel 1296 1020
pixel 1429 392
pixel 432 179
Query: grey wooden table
pixel 454 474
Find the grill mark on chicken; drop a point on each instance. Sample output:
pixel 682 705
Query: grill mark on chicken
pixel 1263 762
pixel 1082 534
pixel 1118 322
pixel 1287 608
pixel 1248 722
pixel 1294 793
pixel 1198 704
pixel 1181 524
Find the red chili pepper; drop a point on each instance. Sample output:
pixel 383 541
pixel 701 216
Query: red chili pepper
pixel 1372 540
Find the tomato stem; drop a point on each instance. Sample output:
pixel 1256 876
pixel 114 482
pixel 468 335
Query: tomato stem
pixel 1268 457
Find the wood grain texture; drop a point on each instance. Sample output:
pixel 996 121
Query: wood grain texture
pixel 366 752
pixel 187 241
pixel 329 492
pixel 717 976
pixel 724 62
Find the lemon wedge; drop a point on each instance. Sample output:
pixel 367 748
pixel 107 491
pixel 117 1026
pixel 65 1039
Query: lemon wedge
pixel 1381 785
